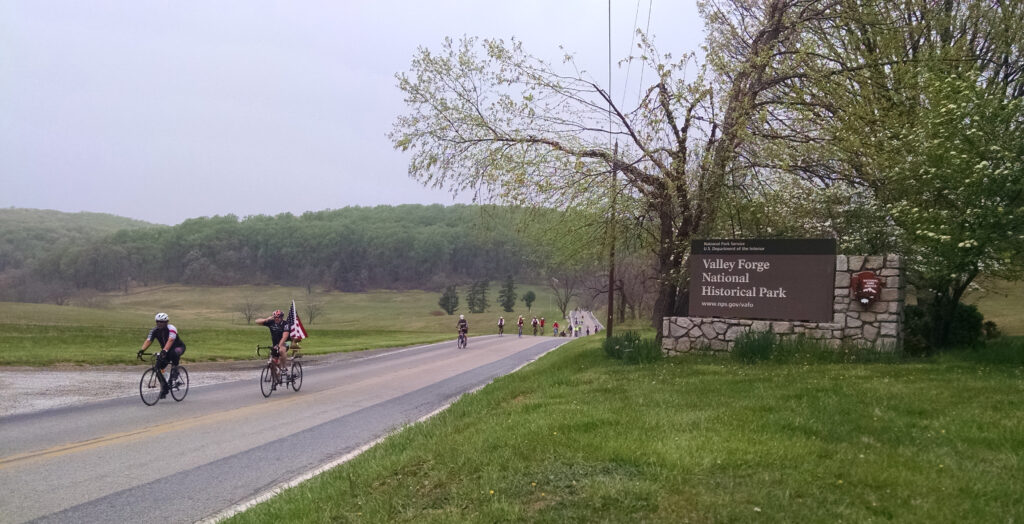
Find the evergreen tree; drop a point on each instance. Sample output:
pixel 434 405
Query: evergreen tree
pixel 528 299
pixel 477 297
pixel 449 301
pixel 507 295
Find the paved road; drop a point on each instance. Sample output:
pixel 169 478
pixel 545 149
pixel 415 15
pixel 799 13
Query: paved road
pixel 121 461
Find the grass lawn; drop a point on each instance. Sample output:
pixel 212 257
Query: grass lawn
pixel 113 326
pixel 578 437
pixel 1001 302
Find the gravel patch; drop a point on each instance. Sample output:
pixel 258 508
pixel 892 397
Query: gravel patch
pixel 27 389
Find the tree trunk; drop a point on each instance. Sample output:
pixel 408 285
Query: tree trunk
pixel 669 266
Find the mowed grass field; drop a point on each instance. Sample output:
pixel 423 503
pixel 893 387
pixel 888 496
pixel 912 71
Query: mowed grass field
pixel 111 329
pixel 1001 302
pixel 578 437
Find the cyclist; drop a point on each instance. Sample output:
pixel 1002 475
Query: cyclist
pixel 463 327
pixel 534 323
pixel 501 326
pixel 555 325
pixel 520 322
pixel 171 349
pixel 280 333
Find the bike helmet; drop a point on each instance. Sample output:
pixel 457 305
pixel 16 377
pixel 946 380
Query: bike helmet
pixel 278 313
pixel 161 317
pixel 462 317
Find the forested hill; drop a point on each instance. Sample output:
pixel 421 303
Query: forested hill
pixel 27 234
pixel 351 249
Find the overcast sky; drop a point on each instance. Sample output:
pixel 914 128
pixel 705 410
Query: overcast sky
pixel 164 111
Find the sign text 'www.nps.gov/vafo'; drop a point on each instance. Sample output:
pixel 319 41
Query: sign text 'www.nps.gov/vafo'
pixel 777 279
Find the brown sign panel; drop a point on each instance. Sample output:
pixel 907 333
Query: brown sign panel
pixel 776 279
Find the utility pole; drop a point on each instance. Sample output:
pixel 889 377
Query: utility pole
pixel 611 250
pixel 611 216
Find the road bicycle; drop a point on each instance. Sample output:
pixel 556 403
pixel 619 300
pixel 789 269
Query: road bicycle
pixel 149 385
pixel 501 329
pixel 463 341
pixel 272 376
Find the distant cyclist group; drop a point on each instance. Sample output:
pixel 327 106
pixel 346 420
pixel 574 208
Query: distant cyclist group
pixel 574 328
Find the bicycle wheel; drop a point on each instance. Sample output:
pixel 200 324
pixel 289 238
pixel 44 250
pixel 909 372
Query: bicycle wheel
pixel 149 387
pixel 180 387
pixel 267 380
pixel 296 379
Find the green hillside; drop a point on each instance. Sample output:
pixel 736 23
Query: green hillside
pixel 28 234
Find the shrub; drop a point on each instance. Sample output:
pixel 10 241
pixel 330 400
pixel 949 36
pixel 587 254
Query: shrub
pixel 922 322
pixel 631 348
pixel 753 346
pixel 991 330
pixel 1003 351
pixel 916 330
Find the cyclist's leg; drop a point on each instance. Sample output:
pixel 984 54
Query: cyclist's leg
pixel 273 369
pixel 175 359
pixel 283 363
pixel 161 363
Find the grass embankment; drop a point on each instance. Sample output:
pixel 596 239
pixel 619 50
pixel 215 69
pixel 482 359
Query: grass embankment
pixel 578 437
pixel 113 326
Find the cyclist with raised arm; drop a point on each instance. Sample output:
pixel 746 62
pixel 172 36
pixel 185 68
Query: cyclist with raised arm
pixel 280 333
pixel 171 349
pixel 463 327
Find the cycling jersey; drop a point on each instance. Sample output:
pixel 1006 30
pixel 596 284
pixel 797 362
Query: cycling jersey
pixel 163 334
pixel 277 330
pixel 463 325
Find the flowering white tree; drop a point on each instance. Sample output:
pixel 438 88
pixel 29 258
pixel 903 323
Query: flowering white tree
pixel 956 188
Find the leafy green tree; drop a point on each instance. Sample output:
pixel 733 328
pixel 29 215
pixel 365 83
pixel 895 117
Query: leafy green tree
pixel 915 107
pixel 488 117
pixel 528 299
pixel 507 295
pixel 449 301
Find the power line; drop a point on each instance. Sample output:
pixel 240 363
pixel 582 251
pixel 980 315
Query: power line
pixel 647 32
pixel 632 40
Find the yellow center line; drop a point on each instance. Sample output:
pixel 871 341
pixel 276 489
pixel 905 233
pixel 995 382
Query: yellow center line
pixel 220 416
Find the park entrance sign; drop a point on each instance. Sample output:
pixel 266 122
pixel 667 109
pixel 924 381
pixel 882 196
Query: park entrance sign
pixel 777 279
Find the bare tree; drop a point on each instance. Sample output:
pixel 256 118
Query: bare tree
pixel 248 309
pixel 313 310
pixel 566 287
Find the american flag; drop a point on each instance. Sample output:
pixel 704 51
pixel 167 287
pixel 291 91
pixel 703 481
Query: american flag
pixel 298 332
